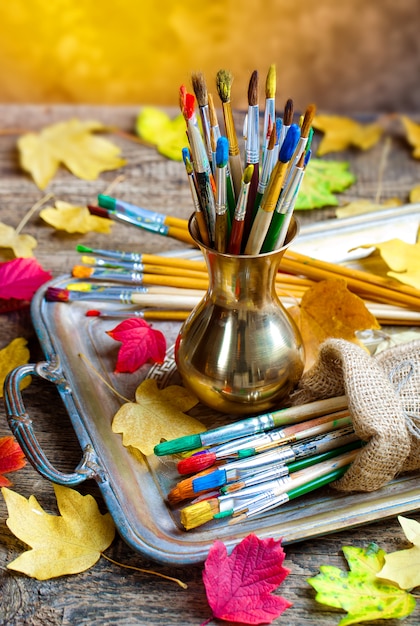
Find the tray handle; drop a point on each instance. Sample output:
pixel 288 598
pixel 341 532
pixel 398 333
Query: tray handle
pixel 21 425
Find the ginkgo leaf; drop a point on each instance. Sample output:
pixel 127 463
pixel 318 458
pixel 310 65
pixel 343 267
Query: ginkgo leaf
pixel 20 278
pixel 322 180
pixel 21 245
pixel 168 135
pixel 360 592
pixel 341 133
pixel 140 343
pixel 239 587
pixel 71 143
pixel 13 355
pixel 403 566
pixel 12 458
pixel 329 309
pixel 74 219
pixel 412 131
pixel 157 414
pixel 359 207
pixel 68 543
pixel 402 258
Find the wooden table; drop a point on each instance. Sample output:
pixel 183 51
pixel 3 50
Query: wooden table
pixel 107 594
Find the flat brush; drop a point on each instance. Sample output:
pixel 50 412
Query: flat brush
pixel 251 426
pixel 224 85
pixel 54 294
pixel 113 204
pixel 138 278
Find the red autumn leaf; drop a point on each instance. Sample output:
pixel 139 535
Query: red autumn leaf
pixel 21 277
pixel 140 343
pixel 239 586
pixel 12 458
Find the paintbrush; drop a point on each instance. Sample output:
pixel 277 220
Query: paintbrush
pixel 303 139
pixel 161 289
pixel 222 226
pixel 252 149
pixel 267 168
pixel 200 90
pixel 215 134
pixel 269 200
pixel 138 278
pixel 234 475
pixel 199 215
pixel 169 257
pixel 112 204
pixel 236 235
pixel 224 85
pixel 56 294
pixel 287 120
pixel 145 314
pixel 180 234
pixel 251 426
pixel 269 111
pixel 139 266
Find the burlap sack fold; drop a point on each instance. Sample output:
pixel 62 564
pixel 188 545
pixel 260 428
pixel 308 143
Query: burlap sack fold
pixel 383 394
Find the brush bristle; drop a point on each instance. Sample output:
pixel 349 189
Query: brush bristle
pixel 224 81
pixel 212 111
pixel 248 172
pixel 80 248
pixel 196 463
pixel 288 112
pixel 181 100
pixel 308 119
pixel 55 294
pixel 253 89
pixel 189 106
pixel 79 271
pixel 270 83
pixel 98 211
pixel 181 444
pixel 222 152
pixel 200 88
pixel 199 513
pixel 289 143
pixel 212 480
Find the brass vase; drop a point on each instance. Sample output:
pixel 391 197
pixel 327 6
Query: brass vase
pixel 239 351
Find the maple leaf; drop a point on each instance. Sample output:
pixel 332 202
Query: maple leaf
pixel 71 143
pixel 329 309
pixel 20 278
pixel 402 259
pixel 168 135
pixel 21 245
pixel 360 592
pixel 140 343
pixel 156 415
pixel 343 132
pixel 12 459
pixel 74 219
pixel 14 354
pixel 412 131
pixel 68 543
pixel 403 566
pixel 321 181
pixel 239 586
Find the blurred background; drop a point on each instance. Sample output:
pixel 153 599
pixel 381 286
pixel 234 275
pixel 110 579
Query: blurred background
pixel 347 56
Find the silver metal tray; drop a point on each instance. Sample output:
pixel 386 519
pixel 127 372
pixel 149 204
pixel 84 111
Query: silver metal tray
pixel 134 487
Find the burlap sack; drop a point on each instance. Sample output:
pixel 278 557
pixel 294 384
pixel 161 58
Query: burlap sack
pixel 383 394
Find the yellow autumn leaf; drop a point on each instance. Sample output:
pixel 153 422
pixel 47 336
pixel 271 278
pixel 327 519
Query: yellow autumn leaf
pixel 74 219
pixel 359 207
pixel 412 132
pixel 329 309
pixel 68 543
pixel 21 245
pixel 13 355
pixel 403 566
pixel 71 143
pixel 341 133
pixel 414 195
pixel 402 259
pixel 157 414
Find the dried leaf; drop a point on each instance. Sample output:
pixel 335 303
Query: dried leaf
pixel 414 195
pixel 329 309
pixel 20 278
pixel 402 258
pixel 359 207
pixel 239 587
pixel 68 543
pixel 341 133
pixel 168 135
pixel 12 459
pixel 403 567
pixel 156 415
pixel 140 343
pixel 74 219
pixel 360 592
pixel 13 355
pixel 21 245
pixel 321 181
pixel 71 143
pixel 412 131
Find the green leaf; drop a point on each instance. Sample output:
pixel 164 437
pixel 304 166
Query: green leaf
pixel 321 181
pixel 168 135
pixel 360 592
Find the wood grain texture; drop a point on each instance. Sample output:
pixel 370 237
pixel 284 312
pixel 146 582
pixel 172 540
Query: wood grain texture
pixel 107 594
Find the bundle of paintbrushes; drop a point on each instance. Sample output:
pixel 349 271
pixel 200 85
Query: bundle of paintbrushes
pixel 243 203
pixel 255 465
